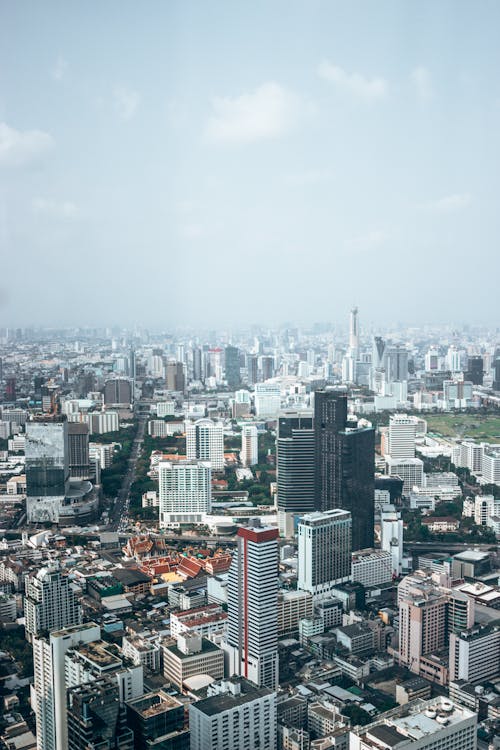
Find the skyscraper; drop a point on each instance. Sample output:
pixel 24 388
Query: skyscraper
pixel 49 602
pixel 295 467
pixel 48 696
pixel 185 491
pixel 253 607
pixel 354 332
pixel 475 370
pixel 205 441
pixel 47 468
pixel 232 358
pixel 249 455
pixel 344 464
pixel 175 380
pixel 402 436
pixel 78 450
pixel 324 551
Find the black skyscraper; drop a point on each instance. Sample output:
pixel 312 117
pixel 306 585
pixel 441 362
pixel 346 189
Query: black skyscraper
pixel 344 464
pixel 295 462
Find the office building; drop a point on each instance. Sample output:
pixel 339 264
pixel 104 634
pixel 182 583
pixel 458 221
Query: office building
pixel 391 533
pixel 267 399
pixel 118 393
pixel 96 719
pixel 47 468
pixel 267 367
pixel 49 602
pixel 401 436
pixel 324 558
pixel 191 655
pixel 236 713
pixel 293 606
pixel 249 455
pixel 436 724
pixel 78 450
pixel 354 331
pixel 295 468
pixel 252 367
pixel 174 376
pixel 475 370
pixel 396 358
pixel 475 654
pixel 410 470
pixel 157 720
pixel 48 693
pixel 372 567
pixel 491 465
pixel 185 491
pixel 252 636
pixel 232 359
pixel 205 442
pixel 344 464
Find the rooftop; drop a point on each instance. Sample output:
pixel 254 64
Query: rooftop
pixel 216 704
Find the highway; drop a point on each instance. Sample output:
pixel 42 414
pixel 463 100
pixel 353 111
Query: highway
pixel 119 511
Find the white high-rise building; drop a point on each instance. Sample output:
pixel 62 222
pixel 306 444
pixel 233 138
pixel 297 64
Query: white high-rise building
pixel 324 551
pixel 267 399
pixel 235 714
pixel 392 537
pixel 185 491
pixel 475 654
pixel 436 724
pixel 411 471
pixel 48 693
pixel 205 441
pixel 49 602
pixel 252 639
pixel 354 331
pixel 249 455
pixel 402 434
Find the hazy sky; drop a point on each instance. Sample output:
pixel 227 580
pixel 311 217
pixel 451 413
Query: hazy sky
pixel 236 162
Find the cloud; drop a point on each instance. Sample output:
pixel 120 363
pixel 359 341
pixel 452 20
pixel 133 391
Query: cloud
pixel 422 80
pixel 268 112
pixel 309 177
pixel 355 84
pixel 451 203
pixel 126 102
pixel 59 70
pixel 55 209
pixel 21 147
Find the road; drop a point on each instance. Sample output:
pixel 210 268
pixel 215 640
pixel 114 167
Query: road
pixel 119 511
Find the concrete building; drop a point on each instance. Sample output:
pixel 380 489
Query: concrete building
pixel 372 567
pixel 158 720
pixel 48 693
pixel 436 724
pixel 191 655
pixel 293 606
pixel 47 469
pixel 411 471
pixel 252 639
pixel 267 399
pixel 249 455
pixel 205 442
pixel 475 654
pixel 324 557
pixel 49 602
pixel 401 436
pixel 96 718
pixel 185 492
pixel 236 713
pixel 391 532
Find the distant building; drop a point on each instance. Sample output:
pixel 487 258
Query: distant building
pixel 249 455
pixel 118 393
pixel 185 492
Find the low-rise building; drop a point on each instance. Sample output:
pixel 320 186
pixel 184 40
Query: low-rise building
pixel 191 655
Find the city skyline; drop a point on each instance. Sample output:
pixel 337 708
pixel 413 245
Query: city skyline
pixel 248 151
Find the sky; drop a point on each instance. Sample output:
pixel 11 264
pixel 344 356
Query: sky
pixel 226 163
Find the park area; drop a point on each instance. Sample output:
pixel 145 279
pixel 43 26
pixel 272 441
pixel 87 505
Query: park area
pixel 466 426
